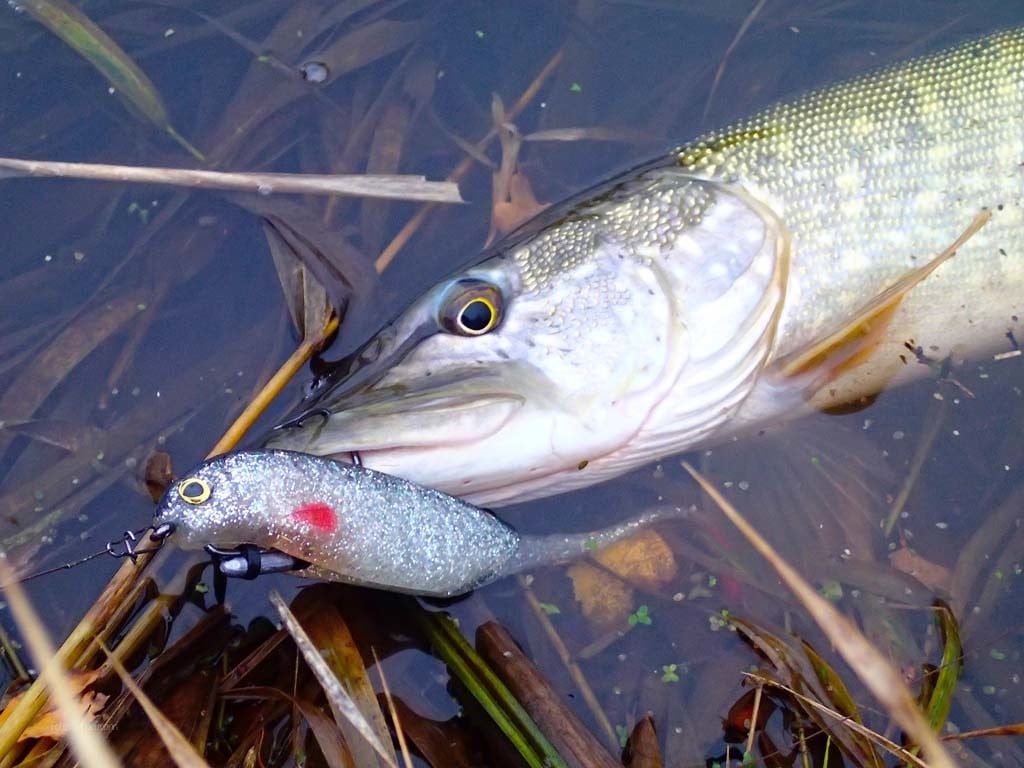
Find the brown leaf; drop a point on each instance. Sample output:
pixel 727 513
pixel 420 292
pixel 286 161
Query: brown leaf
pixel 604 599
pixel 934 576
pixel 644 560
pixel 449 743
pixel 159 474
pixel 521 205
pixel 642 749
pixel 49 724
pixel 330 634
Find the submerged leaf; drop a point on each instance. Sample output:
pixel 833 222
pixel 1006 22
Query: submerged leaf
pixel 604 599
pixel 644 560
pixel 948 675
pixel 95 46
pixel 49 723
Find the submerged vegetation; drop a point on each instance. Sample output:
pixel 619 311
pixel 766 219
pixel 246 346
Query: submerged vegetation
pixel 144 327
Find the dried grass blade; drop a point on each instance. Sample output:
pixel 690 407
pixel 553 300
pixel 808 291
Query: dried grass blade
pixel 178 747
pixel 593 133
pixel 863 730
pixel 1016 729
pixel 342 705
pixel 842 701
pixel 393 711
pixel 95 46
pixel 384 186
pixel 331 636
pixel 874 670
pixel 88 746
pixel 720 71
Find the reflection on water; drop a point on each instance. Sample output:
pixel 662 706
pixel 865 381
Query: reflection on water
pixel 138 317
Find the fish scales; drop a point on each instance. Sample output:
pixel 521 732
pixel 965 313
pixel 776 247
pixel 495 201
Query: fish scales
pixel 876 174
pixel 662 311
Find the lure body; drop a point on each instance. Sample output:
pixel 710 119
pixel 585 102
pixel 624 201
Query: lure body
pixel 358 526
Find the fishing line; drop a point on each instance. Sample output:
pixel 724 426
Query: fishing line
pixel 126 546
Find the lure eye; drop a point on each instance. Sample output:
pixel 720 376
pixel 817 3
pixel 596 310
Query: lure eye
pixel 473 309
pixel 193 490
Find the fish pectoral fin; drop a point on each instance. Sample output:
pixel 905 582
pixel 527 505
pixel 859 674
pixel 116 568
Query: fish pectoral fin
pixel 823 360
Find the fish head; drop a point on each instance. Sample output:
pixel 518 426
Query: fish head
pixel 544 367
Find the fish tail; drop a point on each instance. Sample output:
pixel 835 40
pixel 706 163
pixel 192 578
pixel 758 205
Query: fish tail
pixel 558 548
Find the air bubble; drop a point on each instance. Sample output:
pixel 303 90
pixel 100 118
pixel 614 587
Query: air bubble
pixel 314 72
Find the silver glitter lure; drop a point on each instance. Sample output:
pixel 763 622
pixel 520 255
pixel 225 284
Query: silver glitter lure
pixel 360 526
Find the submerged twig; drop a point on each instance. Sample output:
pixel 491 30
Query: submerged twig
pixel 934 420
pixel 272 388
pixel 570 664
pixel 385 186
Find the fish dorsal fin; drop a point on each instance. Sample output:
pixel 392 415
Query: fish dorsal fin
pixel 825 359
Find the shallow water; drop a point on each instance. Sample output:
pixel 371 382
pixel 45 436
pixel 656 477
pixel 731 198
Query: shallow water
pixel 141 317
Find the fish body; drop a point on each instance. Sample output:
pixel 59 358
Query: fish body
pixel 739 282
pixel 358 526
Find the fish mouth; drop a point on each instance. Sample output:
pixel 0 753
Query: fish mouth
pixel 390 419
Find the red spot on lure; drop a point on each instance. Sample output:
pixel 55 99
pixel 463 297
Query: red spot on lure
pixel 318 515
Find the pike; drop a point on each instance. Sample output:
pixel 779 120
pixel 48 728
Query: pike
pixel 803 259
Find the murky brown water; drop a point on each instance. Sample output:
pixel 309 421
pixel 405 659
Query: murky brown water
pixel 141 317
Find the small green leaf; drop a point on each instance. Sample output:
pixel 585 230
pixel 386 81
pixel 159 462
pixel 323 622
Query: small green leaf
pixel 641 616
pixel 480 34
pixel 831 590
pixel 669 674
pixel 549 608
pixel 201 588
pixel 576 88
pixel 623 733
pixel 591 544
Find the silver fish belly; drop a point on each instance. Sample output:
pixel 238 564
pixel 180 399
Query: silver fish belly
pixel 663 311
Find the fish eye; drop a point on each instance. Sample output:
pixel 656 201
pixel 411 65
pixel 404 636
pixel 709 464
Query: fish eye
pixel 473 309
pixel 193 490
